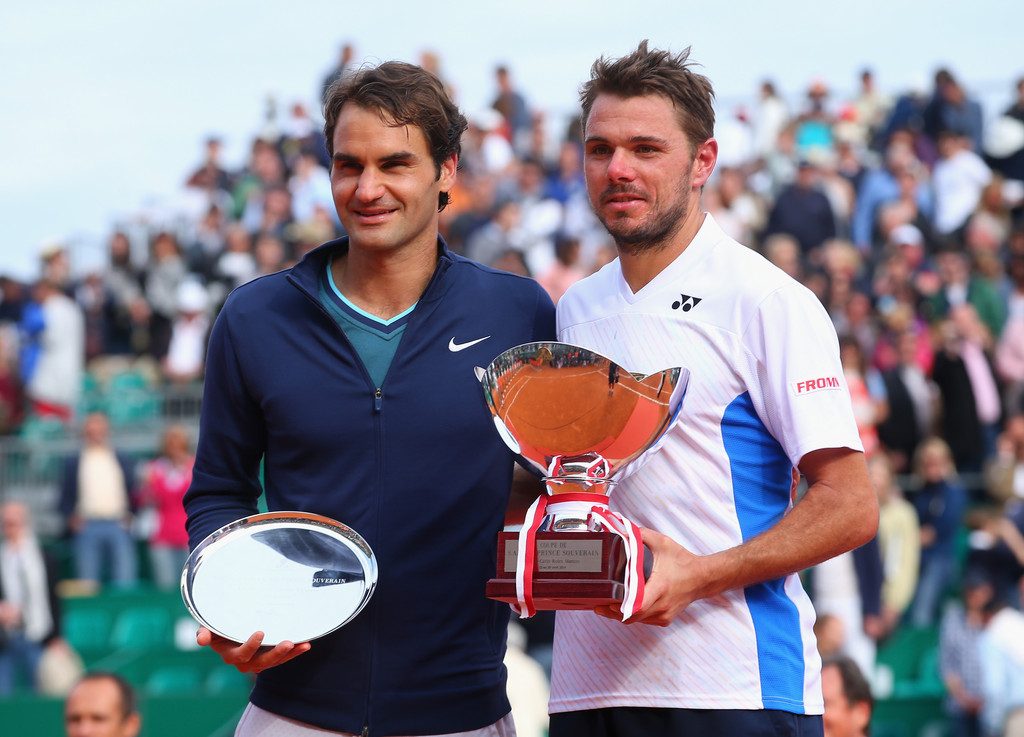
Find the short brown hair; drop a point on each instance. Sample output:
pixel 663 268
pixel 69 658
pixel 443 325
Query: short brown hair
pixel 404 94
pixel 656 72
pixel 128 699
pixel 856 688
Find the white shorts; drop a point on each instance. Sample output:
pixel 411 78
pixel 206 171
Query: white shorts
pixel 257 722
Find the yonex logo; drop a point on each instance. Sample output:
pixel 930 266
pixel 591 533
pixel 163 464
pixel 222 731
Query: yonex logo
pixel 815 385
pixel 685 303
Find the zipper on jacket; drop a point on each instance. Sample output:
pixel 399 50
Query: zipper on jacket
pixel 366 731
pixel 377 400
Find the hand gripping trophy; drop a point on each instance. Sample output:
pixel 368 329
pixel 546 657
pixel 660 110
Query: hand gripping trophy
pixel 583 423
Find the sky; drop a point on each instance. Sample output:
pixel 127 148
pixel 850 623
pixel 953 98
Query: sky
pixel 104 106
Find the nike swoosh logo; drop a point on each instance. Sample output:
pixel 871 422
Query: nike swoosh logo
pixel 456 347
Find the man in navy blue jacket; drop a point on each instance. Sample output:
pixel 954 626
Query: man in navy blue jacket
pixel 351 376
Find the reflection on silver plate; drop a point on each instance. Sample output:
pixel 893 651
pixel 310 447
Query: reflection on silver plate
pixel 292 575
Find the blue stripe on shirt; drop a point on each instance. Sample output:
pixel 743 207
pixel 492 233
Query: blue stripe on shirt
pixel 761 478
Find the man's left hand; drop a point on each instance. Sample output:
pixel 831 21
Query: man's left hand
pixel 675 583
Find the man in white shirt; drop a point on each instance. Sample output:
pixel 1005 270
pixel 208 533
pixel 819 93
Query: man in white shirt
pixel 97 506
pixel 959 178
pixel 722 643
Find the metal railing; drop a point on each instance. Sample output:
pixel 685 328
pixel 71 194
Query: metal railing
pixel 32 462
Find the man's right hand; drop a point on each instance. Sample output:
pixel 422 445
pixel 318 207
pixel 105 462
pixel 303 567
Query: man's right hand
pixel 250 656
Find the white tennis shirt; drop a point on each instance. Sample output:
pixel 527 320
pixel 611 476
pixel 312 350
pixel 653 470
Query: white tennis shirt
pixel 766 387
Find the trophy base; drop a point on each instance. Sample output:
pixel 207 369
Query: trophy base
pixel 572 570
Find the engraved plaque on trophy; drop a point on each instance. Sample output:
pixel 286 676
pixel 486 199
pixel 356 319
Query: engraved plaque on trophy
pixel 579 420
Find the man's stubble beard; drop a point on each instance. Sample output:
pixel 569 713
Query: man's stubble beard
pixel 654 235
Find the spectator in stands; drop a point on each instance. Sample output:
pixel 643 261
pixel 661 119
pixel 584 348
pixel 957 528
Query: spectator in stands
pixel 161 277
pixel 310 187
pixel 266 169
pixel 959 661
pixel 235 266
pixel 566 181
pixel 830 635
pixel 898 285
pixel 90 295
pixel 899 542
pixel 895 218
pixel 803 211
pixel 512 261
pixel 910 393
pixel 988 227
pixel 53 330
pixel 872 107
pixel 741 213
pixel 207 242
pixel 29 606
pixel 501 233
pixel 940 501
pixel 1001 649
pixel 1009 349
pixel 488 150
pixel 958 180
pixel 101 705
pixel 55 266
pixel 859 321
pixel 881 185
pixel 11 405
pixel 97 506
pixel 210 176
pixel 1004 475
pixel 771 118
pixel 126 312
pixel 1004 142
pixel 564 270
pixel 960 285
pixel 849 586
pixel 783 250
pixel 269 212
pixel 345 65
pixel 540 216
pixel 813 129
pixel 162 486
pixel 951 109
pixel 270 254
pixel 513 108
pixel 969 394
pixel 867 392
pixel 848 700
pixel 185 360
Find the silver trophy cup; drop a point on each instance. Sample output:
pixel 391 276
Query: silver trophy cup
pixel 581 422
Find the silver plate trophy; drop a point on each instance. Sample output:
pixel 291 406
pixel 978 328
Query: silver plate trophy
pixel 582 422
pixel 294 576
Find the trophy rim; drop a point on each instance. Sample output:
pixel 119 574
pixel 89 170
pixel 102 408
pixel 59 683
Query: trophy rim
pixel 542 464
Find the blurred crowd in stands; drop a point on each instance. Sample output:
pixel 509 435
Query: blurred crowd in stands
pixel 903 213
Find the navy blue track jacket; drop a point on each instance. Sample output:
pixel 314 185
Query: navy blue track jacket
pixel 415 466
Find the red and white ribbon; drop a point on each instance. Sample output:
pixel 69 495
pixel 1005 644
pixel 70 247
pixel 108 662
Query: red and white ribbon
pixel 527 555
pixel 582 504
pixel 633 592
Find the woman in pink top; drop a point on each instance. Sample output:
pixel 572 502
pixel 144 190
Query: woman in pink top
pixel 164 482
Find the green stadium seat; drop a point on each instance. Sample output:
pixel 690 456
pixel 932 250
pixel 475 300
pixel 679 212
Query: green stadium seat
pixel 173 679
pixel 227 679
pixel 142 628
pixel 910 658
pixel 87 629
pixel 131 399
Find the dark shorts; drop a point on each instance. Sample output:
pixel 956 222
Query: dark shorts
pixel 624 721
